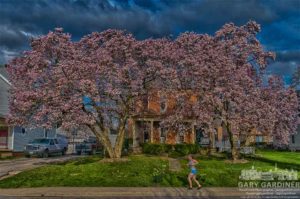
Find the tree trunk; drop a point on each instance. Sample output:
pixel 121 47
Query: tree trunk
pixel 233 146
pixel 103 137
pixel 119 144
pixel 211 147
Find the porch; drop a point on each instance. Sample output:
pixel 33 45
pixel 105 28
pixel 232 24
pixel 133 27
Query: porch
pixel 150 131
pixel 5 140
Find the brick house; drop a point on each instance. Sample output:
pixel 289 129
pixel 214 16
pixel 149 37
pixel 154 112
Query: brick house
pixel 145 127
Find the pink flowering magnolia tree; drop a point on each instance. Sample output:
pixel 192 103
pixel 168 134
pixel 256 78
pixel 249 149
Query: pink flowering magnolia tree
pixel 224 73
pixel 96 82
pixel 93 83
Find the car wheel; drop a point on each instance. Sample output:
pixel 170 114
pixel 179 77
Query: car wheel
pixel 45 154
pixel 64 151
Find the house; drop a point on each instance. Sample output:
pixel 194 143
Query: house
pixel 294 143
pixel 14 138
pixel 145 127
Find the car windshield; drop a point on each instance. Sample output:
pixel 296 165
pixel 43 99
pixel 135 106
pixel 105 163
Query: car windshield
pixel 40 141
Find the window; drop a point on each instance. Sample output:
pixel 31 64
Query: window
pixel 46 133
pixel 145 102
pixel 163 134
pixel 55 141
pixel 51 142
pixel 199 135
pixel 23 131
pixel 146 136
pixel 259 138
pixel 163 104
pixel 181 139
pixel 293 139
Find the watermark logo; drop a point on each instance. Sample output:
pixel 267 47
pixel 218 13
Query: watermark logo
pixel 274 183
pixel 271 175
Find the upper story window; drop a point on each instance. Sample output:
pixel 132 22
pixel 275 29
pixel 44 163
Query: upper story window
pixel 145 102
pixel 163 104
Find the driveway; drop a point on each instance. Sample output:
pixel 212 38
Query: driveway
pixel 12 167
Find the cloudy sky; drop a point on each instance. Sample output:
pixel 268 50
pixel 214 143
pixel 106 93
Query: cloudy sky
pixel 280 20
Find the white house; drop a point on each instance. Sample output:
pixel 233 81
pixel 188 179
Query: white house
pixel 13 139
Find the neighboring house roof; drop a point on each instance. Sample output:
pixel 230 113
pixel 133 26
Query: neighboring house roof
pixel 4 87
pixel 4 75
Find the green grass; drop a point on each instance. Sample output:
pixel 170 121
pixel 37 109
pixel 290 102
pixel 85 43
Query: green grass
pixel 217 172
pixel 138 171
pixel 143 171
pixel 8 158
pixel 280 156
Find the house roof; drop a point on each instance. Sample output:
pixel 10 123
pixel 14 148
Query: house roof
pixel 4 75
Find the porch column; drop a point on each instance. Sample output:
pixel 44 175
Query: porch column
pixel 193 134
pixel 151 131
pixel 134 142
pixel 213 144
pixel 220 138
pixel 220 133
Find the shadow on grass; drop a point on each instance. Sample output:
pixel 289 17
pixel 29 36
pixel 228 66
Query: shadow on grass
pixel 80 161
pixel 282 165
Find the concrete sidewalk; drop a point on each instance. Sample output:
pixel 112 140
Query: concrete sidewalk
pixel 133 192
pixel 115 191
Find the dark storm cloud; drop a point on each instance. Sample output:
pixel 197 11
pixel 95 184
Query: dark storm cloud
pixel 22 19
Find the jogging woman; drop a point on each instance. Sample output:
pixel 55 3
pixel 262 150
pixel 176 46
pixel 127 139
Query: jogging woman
pixel 193 172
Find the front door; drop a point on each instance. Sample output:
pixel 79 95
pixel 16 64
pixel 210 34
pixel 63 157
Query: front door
pixel 199 135
pixel 201 139
pixel 4 138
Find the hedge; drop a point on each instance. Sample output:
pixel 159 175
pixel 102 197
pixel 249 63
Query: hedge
pixel 178 149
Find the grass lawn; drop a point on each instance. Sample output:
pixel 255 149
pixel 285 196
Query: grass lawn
pixel 280 156
pixel 8 158
pixel 144 170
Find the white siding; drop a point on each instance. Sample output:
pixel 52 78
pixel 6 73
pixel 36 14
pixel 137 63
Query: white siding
pixel 21 139
pixel 4 87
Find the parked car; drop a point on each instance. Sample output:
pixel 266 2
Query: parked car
pixel 89 146
pixel 44 147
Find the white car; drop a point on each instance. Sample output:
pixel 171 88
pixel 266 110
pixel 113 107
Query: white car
pixel 43 147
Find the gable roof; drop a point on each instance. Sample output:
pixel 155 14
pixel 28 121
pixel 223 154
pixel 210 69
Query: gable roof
pixel 4 75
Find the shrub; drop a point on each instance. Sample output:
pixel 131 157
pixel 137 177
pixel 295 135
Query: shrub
pixel 193 148
pixel 176 150
pixel 175 154
pixel 154 149
pixel 169 148
pixel 182 149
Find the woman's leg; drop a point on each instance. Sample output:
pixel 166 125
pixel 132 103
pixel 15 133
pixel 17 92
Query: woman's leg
pixel 194 178
pixel 190 176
